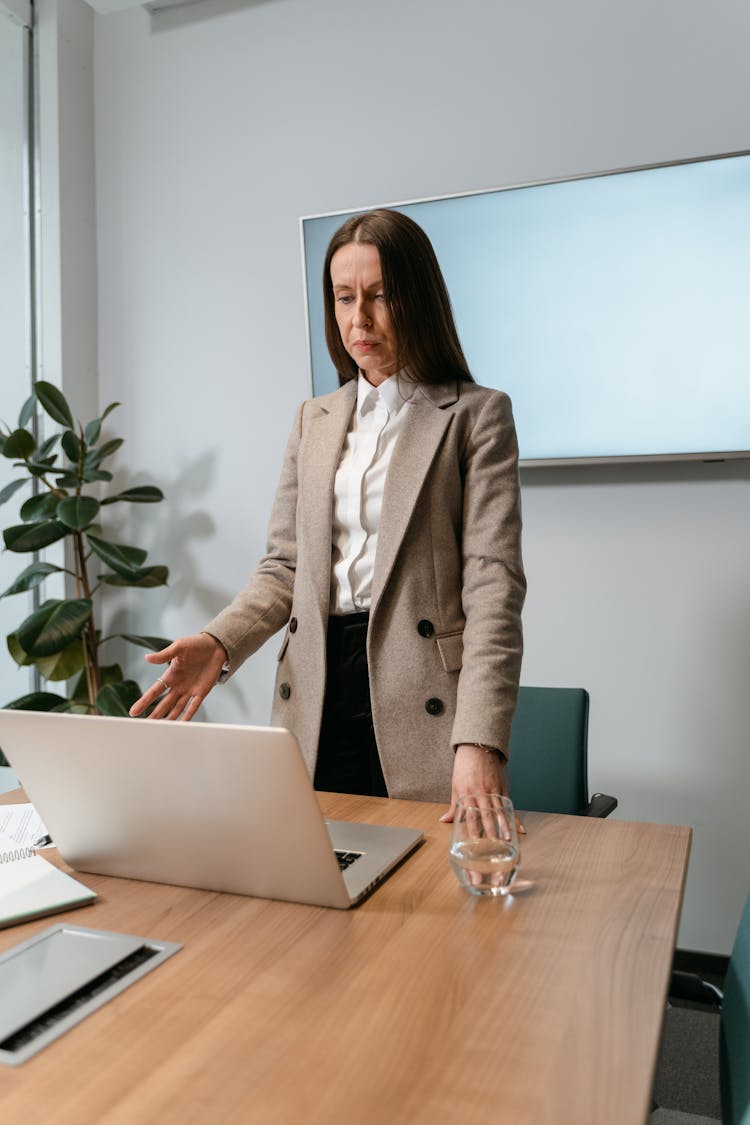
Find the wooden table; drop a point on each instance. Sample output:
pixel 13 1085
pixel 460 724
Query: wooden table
pixel 423 1004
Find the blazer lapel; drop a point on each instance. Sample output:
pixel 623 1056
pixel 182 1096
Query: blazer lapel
pixel 318 460
pixel 418 442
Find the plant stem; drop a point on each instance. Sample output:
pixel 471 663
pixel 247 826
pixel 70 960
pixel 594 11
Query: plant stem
pixel 88 636
pixel 60 492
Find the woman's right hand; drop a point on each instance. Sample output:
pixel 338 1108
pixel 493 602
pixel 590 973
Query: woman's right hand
pixel 193 668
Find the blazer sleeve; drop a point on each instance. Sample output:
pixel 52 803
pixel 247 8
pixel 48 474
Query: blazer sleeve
pixel 493 582
pixel 264 605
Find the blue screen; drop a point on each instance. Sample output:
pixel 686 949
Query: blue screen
pixel 614 309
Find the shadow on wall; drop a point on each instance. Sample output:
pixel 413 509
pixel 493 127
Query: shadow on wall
pixel 172 528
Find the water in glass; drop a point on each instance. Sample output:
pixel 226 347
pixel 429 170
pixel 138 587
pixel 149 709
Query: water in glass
pixel 484 849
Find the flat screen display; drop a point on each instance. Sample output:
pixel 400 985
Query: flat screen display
pixel 614 309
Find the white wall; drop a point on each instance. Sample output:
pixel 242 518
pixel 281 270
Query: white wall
pixel 217 127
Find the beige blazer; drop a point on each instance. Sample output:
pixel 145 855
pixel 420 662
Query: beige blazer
pixel 444 640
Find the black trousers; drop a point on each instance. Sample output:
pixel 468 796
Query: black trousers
pixel 348 760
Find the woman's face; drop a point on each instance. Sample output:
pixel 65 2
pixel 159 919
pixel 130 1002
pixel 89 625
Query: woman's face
pixel 361 310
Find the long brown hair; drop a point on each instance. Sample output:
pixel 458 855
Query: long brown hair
pixel 416 295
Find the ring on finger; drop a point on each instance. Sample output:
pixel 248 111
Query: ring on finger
pixel 166 687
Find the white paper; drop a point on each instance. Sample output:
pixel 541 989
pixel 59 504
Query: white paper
pixel 23 824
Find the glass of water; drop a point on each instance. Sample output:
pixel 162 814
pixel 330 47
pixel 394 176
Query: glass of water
pixel 484 844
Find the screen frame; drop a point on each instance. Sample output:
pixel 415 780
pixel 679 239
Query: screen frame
pixel 534 462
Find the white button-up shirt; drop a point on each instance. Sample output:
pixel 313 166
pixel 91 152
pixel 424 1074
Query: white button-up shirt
pixel 377 420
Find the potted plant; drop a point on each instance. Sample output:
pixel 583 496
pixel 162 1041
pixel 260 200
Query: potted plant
pixel 65 480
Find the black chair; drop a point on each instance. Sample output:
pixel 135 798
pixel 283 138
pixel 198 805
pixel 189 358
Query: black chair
pixel 548 768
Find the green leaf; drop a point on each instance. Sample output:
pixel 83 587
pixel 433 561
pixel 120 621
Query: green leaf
pixel 110 447
pixel 117 699
pixel 3 439
pixel 54 403
pixel 78 512
pixel 53 626
pixel 31 577
pixel 63 665
pixel 27 412
pixel 38 701
pixel 21 443
pixel 155 644
pixel 47 446
pixel 66 479
pixel 124 560
pixel 147 577
pixel 145 494
pixel 108 410
pixel 109 674
pixel 39 468
pixel 97 455
pixel 92 431
pixel 22 659
pixel 90 475
pixel 39 507
pixel 34 536
pixel 11 489
pixel 81 690
pixel 71 446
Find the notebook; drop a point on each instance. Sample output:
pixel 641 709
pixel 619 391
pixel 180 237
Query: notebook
pixel 210 805
pixel 31 887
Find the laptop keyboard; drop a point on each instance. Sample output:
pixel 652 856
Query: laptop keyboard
pixel 346 859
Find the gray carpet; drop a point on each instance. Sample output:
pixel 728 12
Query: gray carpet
pixel 686 1089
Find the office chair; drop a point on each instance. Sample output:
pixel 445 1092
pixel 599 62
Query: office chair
pixel 733 1006
pixel 548 769
pixel 734 1030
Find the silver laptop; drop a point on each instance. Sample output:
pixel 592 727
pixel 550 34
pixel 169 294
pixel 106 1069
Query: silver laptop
pixel 209 805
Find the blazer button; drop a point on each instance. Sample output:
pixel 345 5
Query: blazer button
pixel 434 706
pixel 285 691
pixel 425 628
pixel 293 625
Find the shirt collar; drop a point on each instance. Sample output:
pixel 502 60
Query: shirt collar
pixel 393 392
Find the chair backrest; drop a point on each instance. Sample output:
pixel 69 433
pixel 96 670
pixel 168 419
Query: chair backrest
pixel 734 1038
pixel 548 769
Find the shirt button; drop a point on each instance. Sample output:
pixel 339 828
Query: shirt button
pixel 425 628
pixel 285 691
pixel 434 706
pixel 293 625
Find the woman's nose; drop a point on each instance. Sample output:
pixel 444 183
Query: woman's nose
pixel 361 313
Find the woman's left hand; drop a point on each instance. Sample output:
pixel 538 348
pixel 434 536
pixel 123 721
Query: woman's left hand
pixel 477 771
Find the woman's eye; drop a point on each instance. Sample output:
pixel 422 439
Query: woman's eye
pixel 344 299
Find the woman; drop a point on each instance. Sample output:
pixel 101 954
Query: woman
pixel 393 551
